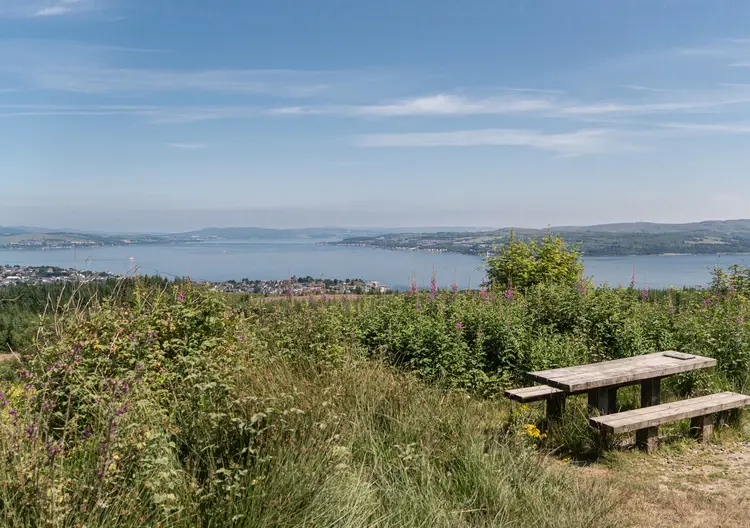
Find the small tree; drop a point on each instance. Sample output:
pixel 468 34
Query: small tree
pixel 521 264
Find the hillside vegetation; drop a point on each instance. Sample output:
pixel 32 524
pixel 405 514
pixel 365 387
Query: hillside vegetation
pixel 172 405
pixel 731 236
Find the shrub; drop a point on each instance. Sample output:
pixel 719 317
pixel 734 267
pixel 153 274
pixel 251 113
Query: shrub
pixel 521 264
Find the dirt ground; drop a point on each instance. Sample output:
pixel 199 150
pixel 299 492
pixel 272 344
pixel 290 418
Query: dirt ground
pixel 684 485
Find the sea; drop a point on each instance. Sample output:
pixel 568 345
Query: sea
pixel 280 259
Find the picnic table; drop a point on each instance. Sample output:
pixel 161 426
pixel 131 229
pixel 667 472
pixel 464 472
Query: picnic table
pixel 601 381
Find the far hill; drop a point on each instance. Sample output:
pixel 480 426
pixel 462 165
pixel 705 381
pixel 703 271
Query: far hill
pixel 255 233
pixel 641 238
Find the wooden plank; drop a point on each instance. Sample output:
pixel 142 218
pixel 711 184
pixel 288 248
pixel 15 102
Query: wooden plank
pixel 641 366
pixel 649 413
pixel 614 363
pixel 624 376
pixel 529 394
pixel 669 412
pixel 679 355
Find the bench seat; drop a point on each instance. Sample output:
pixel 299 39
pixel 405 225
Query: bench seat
pixel 530 394
pixel 656 415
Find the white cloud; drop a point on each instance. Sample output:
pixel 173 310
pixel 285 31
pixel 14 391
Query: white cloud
pixel 187 146
pixel 52 11
pixel 47 8
pixel 726 128
pixel 448 105
pixel 587 141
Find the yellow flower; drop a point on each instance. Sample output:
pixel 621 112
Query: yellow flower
pixel 533 431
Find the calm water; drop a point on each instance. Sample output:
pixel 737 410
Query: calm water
pixel 278 259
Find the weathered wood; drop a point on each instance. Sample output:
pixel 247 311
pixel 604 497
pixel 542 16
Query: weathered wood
pixel 679 355
pixel 702 427
pixel 650 392
pixel 603 400
pixel 555 407
pixel 656 415
pixel 530 394
pixel 647 439
pixel 722 419
pixel 619 372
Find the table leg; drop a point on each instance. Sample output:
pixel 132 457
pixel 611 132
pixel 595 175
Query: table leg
pixel 603 400
pixel 650 392
pixel 648 438
pixel 555 407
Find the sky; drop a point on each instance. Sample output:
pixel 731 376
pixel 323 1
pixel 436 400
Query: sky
pixel 167 115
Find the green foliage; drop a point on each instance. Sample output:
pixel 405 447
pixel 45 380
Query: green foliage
pixel 521 264
pixel 166 408
pixel 171 405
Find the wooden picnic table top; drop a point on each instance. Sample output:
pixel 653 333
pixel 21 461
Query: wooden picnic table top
pixel 621 371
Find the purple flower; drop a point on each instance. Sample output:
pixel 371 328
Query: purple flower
pixel 433 286
pixel 454 287
pixel 483 294
pixel 459 325
pixel 181 297
pixel 23 374
pixel 644 294
pixel 12 412
pixel 510 294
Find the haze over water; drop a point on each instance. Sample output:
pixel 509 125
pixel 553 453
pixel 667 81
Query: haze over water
pixel 278 259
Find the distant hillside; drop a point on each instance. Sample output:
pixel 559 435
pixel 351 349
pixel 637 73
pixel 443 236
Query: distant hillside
pixel 254 233
pixel 730 236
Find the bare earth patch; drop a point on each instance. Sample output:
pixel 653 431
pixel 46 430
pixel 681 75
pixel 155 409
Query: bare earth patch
pixel 696 486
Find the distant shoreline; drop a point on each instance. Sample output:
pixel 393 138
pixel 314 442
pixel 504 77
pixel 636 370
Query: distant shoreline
pixel 345 244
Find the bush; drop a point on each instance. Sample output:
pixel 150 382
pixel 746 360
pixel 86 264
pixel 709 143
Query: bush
pixel 521 264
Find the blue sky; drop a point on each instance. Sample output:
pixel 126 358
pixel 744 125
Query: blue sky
pixel 167 115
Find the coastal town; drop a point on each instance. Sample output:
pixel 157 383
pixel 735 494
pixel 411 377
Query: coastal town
pixel 18 275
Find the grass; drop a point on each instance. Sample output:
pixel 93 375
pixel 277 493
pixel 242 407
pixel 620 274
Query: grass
pixel 172 411
pixel 178 406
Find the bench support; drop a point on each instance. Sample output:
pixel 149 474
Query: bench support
pixel 647 439
pixel 603 400
pixel 702 427
pixel 555 407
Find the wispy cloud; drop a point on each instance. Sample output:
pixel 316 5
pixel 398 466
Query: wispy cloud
pixel 586 141
pixel 641 88
pixel 98 70
pixel 53 11
pixel 46 8
pixel 723 128
pixel 187 146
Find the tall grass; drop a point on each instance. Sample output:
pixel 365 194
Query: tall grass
pixel 173 409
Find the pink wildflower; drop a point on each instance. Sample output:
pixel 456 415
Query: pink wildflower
pixel 459 325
